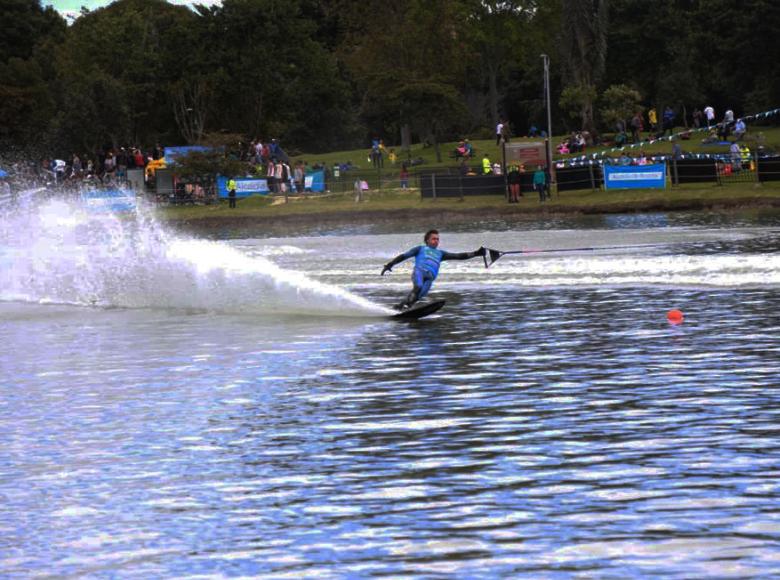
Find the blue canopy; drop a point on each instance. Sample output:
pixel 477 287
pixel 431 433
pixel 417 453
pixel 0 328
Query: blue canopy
pixel 3 173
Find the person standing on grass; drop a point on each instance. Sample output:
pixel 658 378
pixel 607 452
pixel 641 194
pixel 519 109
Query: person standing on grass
pixel 513 178
pixel 487 167
pixel 709 112
pixel 231 187
pixel 404 176
pixel 540 182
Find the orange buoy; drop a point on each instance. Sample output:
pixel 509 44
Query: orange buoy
pixel 675 316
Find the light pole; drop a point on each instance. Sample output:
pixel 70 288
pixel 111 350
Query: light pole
pixel 546 61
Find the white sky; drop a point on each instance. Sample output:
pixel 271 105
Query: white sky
pixel 72 7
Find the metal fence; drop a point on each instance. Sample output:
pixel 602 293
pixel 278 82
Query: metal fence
pixel 721 171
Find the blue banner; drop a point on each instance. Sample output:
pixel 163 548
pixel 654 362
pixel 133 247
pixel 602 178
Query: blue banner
pixel 635 176
pixel 109 200
pixel 315 181
pixel 244 186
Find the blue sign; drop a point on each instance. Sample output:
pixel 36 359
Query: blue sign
pixel 315 181
pixel 635 176
pixel 109 200
pixel 244 186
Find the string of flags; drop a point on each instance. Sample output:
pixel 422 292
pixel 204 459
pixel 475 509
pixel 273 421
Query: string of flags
pixel 598 157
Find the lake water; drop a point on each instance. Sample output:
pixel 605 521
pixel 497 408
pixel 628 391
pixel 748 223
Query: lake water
pixel 173 406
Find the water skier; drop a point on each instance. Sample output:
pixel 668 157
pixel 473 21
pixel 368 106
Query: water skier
pixel 427 259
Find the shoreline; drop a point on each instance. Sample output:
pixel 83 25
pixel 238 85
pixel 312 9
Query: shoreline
pixel 362 215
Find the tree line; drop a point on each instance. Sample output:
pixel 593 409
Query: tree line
pixel 331 74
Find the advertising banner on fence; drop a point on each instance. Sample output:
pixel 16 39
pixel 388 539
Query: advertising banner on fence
pixel 315 181
pixel 244 186
pixel 635 176
pixel 109 200
pixel 259 186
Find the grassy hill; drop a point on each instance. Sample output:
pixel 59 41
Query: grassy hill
pixel 769 137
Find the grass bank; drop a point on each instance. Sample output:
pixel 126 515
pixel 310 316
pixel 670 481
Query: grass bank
pixel 393 203
pixel 400 204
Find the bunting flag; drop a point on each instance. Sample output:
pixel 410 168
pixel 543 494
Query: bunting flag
pixel 598 157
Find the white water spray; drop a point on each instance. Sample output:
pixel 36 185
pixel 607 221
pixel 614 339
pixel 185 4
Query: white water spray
pixel 57 252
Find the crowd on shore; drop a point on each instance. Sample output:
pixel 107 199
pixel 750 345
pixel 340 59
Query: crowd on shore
pixel 104 168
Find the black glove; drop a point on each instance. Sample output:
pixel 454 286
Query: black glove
pixel 387 268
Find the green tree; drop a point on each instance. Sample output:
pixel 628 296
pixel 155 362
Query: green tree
pixel 25 24
pixel 584 48
pixel 403 53
pixel 114 72
pixel 271 77
pixel 620 102
pixel 577 99
pixel 25 105
pixel 497 40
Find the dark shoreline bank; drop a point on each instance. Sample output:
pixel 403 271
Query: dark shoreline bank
pixel 442 215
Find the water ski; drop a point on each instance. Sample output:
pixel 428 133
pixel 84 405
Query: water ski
pixel 419 310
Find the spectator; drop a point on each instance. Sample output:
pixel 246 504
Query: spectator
pixel 652 117
pixel 736 156
pixel 139 159
pixel 540 182
pixel 636 127
pixel 299 178
pixel 121 163
pixel 698 118
pixel 739 130
pixel 513 179
pixel 724 130
pixel 506 132
pixel 580 142
pixel 375 155
pixel 231 187
pixel 403 176
pixel 499 131
pixel 709 112
pixel 109 164
pixel 460 150
pixel 76 168
pixel 487 167
pixel 677 153
pixel 744 151
pixel 668 120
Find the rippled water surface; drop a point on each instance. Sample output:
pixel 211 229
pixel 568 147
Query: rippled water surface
pixel 171 413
